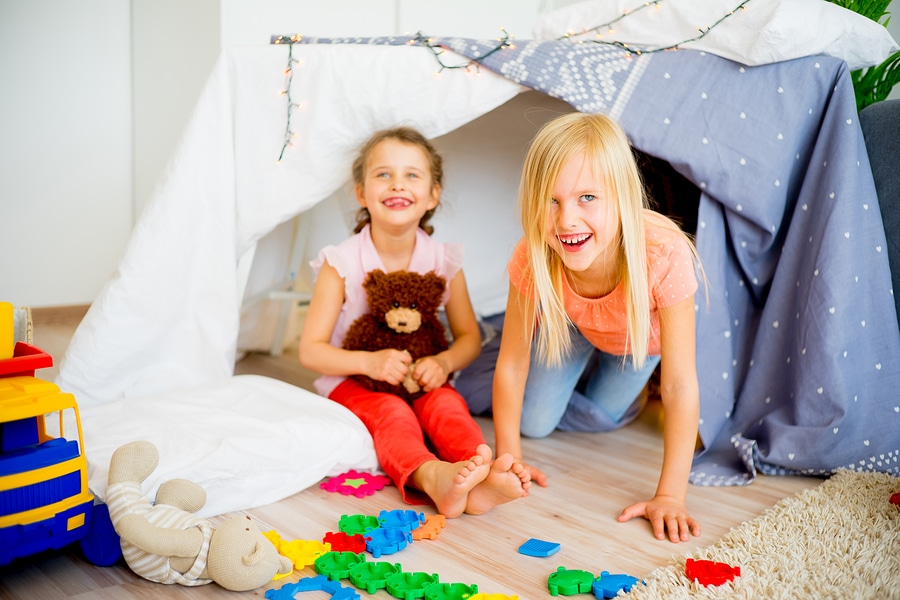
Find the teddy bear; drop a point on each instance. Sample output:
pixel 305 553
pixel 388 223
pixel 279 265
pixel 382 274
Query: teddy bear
pixel 167 543
pixel 403 314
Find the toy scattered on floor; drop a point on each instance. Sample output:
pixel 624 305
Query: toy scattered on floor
pixel 708 572
pixel 303 553
pixel 362 524
pixel 536 547
pixel 403 315
pixel 450 591
pixel 180 546
pixel 609 585
pixel 387 541
pixel 343 542
pixel 313 584
pixel 409 586
pixel 355 483
pixel 45 502
pixel 373 576
pixel 431 528
pixel 407 520
pixel 336 565
pixel 569 582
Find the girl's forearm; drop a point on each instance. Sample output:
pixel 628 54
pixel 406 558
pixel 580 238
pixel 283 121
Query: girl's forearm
pixel 507 413
pixel 326 359
pixel 679 443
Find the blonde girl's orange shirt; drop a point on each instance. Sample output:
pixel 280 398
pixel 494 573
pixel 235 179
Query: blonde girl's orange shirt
pixel 670 266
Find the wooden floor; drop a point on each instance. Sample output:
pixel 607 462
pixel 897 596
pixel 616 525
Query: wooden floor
pixel 592 477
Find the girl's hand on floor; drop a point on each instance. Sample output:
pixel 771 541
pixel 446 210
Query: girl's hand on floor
pixel 664 513
pixel 389 365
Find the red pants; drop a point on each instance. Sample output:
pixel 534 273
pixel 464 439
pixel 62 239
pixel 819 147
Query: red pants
pixel 399 430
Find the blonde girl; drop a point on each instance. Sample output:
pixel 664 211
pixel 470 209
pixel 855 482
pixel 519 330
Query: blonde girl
pixel 601 292
pixel 398 178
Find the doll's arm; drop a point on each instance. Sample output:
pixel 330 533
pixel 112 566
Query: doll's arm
pixel 159 541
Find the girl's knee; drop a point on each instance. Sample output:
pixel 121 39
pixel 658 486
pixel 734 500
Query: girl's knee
pixel 537 430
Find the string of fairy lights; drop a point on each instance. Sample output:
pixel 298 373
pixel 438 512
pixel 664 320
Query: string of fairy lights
pixel 608 28
pixel 504 42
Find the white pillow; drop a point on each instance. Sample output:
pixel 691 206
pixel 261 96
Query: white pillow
pixel 767 31
pixel 248 440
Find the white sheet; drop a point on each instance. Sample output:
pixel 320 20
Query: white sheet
pixel 169 318
pixel 247 440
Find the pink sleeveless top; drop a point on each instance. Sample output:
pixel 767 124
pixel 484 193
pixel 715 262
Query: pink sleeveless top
pixel 355 257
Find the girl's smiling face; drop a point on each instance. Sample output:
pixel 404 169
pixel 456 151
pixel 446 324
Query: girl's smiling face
pixel 583 222
pixel 397 186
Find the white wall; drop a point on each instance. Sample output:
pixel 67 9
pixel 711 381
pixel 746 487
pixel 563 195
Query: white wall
pixel 97 92
pixel 65 159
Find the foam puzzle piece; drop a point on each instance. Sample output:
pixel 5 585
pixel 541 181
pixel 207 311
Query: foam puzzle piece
pixel 387 541
pixel 409 586
pixel 355 483
pixel 570 582
pixel 431 528
pixel 343 542
pixel 372 576
pixel 303 552
pixel 708 572
pixel 609 585
pixel 336 565
pixel 313 584
pixel 407 520
pixel 536 547
pixel 352 524
pixel 450 591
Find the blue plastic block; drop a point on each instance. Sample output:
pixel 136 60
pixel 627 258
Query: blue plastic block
pixel 535 547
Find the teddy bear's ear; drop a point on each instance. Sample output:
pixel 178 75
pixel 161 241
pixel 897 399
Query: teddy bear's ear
pixel 435 284
pixel 374 279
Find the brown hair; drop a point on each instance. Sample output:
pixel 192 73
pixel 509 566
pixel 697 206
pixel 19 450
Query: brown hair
pixel 407 135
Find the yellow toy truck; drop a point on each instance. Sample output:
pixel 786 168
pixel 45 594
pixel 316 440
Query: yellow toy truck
pixel 45 502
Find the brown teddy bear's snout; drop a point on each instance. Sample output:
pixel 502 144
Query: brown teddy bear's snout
pixel 403 319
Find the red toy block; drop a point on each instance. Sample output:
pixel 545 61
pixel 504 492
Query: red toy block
pixel 707 572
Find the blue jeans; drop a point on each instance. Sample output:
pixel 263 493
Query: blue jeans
pixel 590 391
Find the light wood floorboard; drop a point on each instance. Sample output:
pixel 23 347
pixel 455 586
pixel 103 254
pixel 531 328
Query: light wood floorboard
pixel 592 477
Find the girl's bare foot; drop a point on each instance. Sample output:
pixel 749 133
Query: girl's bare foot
pixel 449 484
pixel 507 480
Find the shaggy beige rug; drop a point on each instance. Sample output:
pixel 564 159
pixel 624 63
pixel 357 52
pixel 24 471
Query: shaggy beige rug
pixel 838 540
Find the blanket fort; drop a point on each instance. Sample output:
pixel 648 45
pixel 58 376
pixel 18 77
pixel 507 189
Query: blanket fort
pixel 794 373
pixel 797 344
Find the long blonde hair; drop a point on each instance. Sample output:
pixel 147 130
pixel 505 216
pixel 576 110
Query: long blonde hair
pixel 606 149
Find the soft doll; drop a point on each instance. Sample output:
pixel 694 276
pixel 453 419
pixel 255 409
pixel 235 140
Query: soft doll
pixel 403 314
pixel 166 543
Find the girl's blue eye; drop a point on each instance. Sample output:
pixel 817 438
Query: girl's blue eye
pixel 588 198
